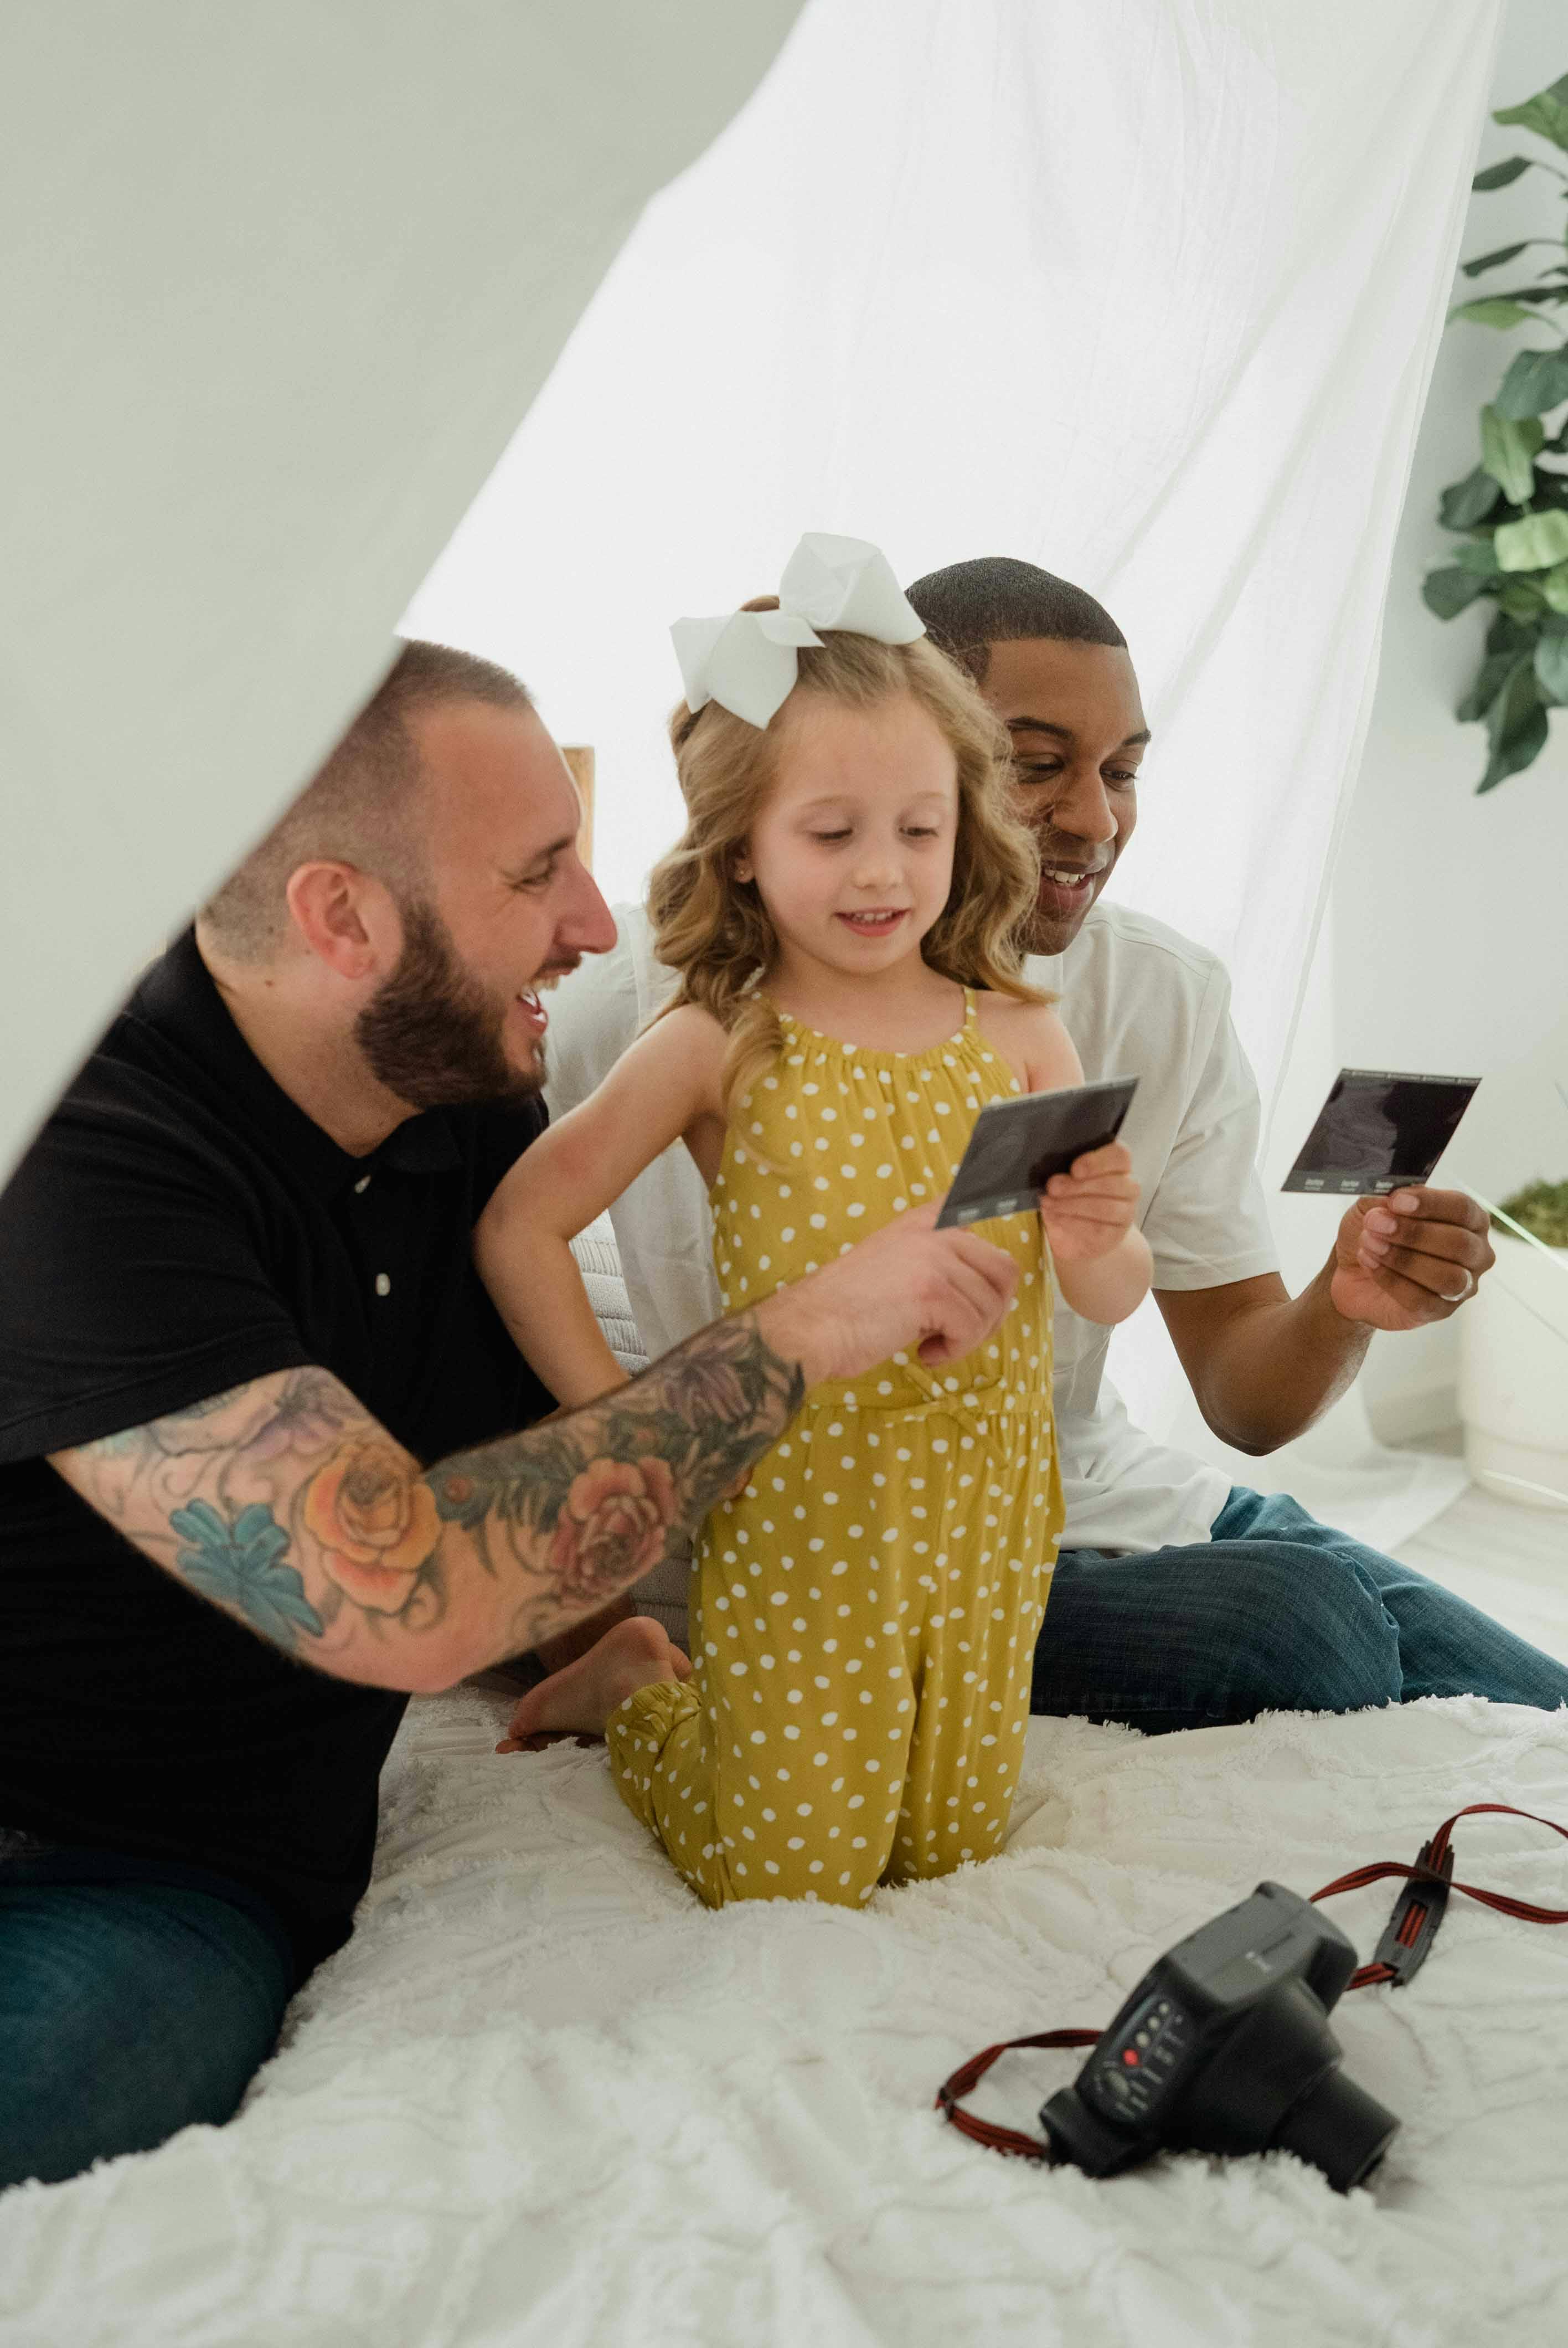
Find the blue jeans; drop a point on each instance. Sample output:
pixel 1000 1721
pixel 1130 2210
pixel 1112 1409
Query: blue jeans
pixel 134 1999
pixel 1274 1613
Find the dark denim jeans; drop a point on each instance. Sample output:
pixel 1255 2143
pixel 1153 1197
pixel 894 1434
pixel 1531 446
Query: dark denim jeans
pixel 134 1999
pixel 1276 1613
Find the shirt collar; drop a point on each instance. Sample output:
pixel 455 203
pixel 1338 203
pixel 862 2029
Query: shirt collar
pixel 179 999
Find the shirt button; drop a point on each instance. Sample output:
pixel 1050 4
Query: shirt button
pixel 383 1284
pixel 362 1185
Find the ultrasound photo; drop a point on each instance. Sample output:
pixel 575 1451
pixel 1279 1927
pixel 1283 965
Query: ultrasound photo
pixel 1379 1130
pixel 1018 1145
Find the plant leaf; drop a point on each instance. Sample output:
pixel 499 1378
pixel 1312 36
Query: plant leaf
pixel 1552 669
pixel 1507 448
pixel 1506 635
pixel 1555 587
pixel 1480 555
pixel 1516 724
pixel 1511 704
pixel 1539 292
pixel 1536 381
pixel 1498 175
pixel 1490 311
pixel 1490 678
pixel 1534 542
pixel 1495 259
pixel 1447 592
pixel 1547 113
pixel 1466 502
pixel 1521 750
pixel 1521 601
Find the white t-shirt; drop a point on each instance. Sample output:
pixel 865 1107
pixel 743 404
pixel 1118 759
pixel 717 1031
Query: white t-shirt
pixel 1138 1000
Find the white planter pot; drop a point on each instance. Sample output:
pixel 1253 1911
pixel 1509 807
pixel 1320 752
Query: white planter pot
pixel 1514 1376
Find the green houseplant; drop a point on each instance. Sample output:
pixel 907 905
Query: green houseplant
pixel 1511 514
pixel 1541 1208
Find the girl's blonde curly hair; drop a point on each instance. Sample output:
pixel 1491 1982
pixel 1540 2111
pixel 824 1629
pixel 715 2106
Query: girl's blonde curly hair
pixel 714 929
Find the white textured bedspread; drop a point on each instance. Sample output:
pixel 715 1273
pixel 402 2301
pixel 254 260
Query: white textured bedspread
pixel 544 2097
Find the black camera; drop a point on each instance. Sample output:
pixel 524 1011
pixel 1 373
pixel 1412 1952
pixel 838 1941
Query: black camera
pixel 1224 2047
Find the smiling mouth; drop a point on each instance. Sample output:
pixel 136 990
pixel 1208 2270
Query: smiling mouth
pixel 879 921
pixel 1068 887
pixel 528 997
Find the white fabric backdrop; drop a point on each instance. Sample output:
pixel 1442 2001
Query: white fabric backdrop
pixel 1148 293
pixel 276 283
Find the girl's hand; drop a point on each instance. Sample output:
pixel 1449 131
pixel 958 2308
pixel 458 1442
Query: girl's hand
pixel 1088 1211
pixel 908 1287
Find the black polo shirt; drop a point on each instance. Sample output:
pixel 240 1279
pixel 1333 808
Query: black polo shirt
pixel 179 1227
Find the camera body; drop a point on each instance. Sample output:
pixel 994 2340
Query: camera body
pixel 1224 2047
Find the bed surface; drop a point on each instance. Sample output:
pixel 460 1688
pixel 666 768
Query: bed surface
pixel 544 2097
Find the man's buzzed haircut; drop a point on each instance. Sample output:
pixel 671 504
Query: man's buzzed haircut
pixel 997 599
pixel 357 808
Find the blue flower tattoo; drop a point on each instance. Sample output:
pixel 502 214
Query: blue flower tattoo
pixel 241 1565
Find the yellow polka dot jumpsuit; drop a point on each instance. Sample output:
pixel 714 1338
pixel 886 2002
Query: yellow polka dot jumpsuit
pixel 864 1614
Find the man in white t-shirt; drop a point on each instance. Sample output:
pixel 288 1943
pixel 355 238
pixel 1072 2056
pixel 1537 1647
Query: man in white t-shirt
pixel 1179 1600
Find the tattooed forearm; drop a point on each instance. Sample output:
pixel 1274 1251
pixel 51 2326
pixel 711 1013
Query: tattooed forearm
pixel 204 1489
pixel 584 1506
pixel 285 1503
pixel 243 1565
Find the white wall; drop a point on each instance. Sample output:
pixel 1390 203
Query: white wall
pixel 1447 943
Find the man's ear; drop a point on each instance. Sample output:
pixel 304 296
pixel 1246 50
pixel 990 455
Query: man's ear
pixel 346 917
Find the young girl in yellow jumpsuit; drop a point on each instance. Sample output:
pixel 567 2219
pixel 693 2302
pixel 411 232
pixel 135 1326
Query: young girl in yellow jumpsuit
pixel 842 912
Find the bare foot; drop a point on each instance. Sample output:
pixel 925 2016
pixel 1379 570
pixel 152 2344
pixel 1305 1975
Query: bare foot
pixel 580 1700
pixel 568 1645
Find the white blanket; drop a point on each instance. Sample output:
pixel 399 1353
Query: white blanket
pixel 544 2097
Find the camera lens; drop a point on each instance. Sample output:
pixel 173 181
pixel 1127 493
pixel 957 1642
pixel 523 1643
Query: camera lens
pixel 1340 2129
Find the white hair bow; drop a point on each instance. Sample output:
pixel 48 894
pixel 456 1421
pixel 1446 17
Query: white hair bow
pixel 748 661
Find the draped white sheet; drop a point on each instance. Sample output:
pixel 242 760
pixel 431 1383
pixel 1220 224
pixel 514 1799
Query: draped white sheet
pixel 1146 292
pixel 276 283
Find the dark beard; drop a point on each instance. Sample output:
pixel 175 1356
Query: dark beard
pixel 432 1034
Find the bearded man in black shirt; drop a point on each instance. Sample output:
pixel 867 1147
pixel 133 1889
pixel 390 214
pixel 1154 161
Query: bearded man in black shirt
pixel 260 1472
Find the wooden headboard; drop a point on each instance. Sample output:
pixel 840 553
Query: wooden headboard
pixel 580 758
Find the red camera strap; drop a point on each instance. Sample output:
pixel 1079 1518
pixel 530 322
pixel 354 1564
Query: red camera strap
pixel 1418 1910
pixel 986 2132
pixel 1400 1953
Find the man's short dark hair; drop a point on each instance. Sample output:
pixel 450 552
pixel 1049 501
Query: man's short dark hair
pixel 356 810
pixel 997 599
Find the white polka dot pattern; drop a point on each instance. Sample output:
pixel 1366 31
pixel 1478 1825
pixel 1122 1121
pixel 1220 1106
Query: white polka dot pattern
pixel 865 1613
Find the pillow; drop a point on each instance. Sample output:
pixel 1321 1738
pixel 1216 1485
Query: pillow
pixel 598 1261
pixel 663 1592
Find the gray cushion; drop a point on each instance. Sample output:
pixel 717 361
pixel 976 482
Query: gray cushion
pixel 663 1595
pixel 598 1261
